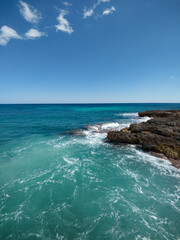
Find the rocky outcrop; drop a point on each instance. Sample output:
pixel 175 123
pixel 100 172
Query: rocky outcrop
pixel 160 113
pixel 160 135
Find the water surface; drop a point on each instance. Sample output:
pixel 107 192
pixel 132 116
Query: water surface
pixel 62 186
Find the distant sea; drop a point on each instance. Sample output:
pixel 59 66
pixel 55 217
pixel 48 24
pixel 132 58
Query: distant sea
pixel 59 185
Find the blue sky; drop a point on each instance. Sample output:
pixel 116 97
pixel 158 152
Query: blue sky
pixel 54 51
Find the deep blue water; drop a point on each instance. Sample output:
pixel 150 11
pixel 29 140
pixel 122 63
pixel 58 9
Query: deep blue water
pixel 55 185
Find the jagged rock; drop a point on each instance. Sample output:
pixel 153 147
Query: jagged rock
pixel 159 135
pixel 160 113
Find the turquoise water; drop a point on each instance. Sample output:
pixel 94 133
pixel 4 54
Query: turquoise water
pixel 55 185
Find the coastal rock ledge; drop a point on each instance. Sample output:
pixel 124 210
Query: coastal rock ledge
pixel 160 135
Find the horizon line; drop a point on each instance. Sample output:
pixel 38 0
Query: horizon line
pixel 97 103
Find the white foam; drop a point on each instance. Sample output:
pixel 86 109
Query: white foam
pixel 163 165
pixel 135 114
pixel 70 160
pixel 110 125
pixel 86 132
pixel 100 129
pixel 143 119
pixel 124 125
pixel 95 134
pixel 94 127
pixel 95 138
pixel 130 114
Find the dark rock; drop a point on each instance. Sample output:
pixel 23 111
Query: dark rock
pixel 160 113
pixel 160 135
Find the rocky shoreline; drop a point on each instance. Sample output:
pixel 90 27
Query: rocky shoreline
pixel 160 135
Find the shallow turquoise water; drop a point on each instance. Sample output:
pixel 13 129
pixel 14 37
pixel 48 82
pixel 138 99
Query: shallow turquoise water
pixel 55 185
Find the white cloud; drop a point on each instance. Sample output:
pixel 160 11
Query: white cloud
pixel 67 4
pixel 104 0
pixel 6 33
pixel 109 11
pixel 90 12
pixel 34 33
pixel 30 13
pixel 63 24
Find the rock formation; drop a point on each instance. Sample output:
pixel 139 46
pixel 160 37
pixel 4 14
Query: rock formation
pixel 160 134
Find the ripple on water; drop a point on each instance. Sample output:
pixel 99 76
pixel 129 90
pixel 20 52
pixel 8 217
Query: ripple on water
pixel 83 188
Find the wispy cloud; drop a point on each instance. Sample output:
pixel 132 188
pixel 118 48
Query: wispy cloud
pixel 90 12
pixel 67 4
pixel 109 11
pixel 30 13
pixel 34 33
pixel 63 24
pixel 104 0
pixel 6 33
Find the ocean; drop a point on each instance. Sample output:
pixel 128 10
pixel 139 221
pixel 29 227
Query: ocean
pixel 60 183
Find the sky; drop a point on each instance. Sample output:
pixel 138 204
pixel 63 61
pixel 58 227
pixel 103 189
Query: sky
pixel 89 51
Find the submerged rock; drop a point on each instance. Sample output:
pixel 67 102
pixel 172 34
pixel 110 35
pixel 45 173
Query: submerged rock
pixel 160 135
